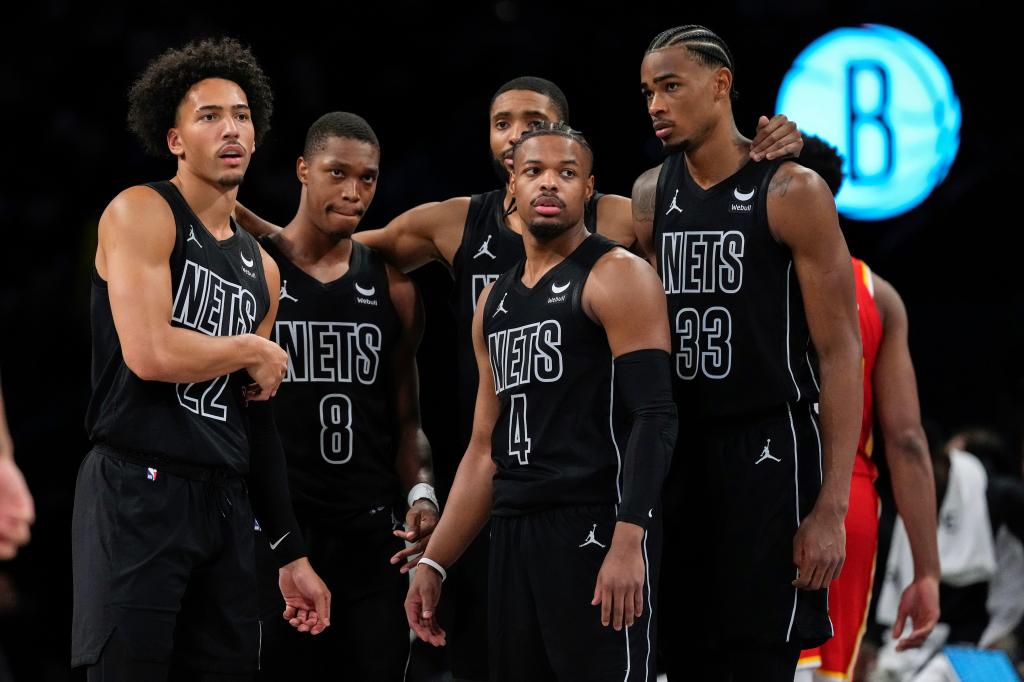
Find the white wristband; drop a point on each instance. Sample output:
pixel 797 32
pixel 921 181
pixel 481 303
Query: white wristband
pixel 434 565
pixel 423 491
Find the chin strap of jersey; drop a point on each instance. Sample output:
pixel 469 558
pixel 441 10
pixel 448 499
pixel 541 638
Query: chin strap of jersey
pixel 644 387
pixel 268 486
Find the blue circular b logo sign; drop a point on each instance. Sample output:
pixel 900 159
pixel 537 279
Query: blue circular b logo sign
pixel 887 102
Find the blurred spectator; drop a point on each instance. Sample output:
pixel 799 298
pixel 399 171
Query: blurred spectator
pixel 981 526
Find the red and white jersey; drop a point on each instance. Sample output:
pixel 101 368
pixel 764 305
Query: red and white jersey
pixel 871 339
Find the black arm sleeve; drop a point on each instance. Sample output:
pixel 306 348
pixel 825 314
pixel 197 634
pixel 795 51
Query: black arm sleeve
pixel 643 386
pixel 268 486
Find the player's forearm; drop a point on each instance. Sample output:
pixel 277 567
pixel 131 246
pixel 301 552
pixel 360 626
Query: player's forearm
pixel 468 508
pixel 252 223
pixel 841 403
pixel 913 486
pixel 642 381
pixel 184 356
pixel 414 461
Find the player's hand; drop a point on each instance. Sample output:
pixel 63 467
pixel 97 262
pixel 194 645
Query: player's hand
pixel 268 371
pixel 420 521
pixel 17 511
pixel 307 601
pixel 421 606
pixel 620 582
pixel 776 138
pixel 819 549
pixel 920 602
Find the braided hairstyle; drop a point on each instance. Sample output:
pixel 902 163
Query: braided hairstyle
pixel 703 44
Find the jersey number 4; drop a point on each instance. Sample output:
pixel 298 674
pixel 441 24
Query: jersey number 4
pixel 704 343
pixel 518 434
pixel 336 434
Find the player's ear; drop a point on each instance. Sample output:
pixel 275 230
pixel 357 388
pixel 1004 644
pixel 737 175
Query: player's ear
pixel 590 186
pixel 302 170
pixel 512 183
pixel 723 82
pixel 174 143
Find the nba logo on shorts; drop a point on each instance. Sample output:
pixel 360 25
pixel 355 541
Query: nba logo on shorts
pixel 151 473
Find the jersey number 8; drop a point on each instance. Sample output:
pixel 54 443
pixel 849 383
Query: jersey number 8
pixel 336 434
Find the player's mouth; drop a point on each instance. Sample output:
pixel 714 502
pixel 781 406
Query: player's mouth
pixel 663 128
pixel 347 212
pixel 548 205
pixel 232 154
pixel 506 158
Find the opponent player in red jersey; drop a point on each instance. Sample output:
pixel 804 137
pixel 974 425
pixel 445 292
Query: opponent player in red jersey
pixel 890 393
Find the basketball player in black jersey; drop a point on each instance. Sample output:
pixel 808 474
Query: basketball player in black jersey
pixel 569 447
pixel 478 238
pixel 348 410
pixel 761 295
pixel 183 436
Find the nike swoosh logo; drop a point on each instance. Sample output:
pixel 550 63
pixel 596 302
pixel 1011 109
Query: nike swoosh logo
pixel 366 292
pixel 246 262
pixel 740 196
pixel 559 289
pixel 273 545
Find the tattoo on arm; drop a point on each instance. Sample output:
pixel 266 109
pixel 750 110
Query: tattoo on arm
pixel 644 198
pixel 780 185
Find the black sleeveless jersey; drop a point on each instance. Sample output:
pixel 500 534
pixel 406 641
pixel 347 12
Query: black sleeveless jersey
pixel 488 249
pixel 554 443
pixel 335 410
pixel 740 336
pixel 218 288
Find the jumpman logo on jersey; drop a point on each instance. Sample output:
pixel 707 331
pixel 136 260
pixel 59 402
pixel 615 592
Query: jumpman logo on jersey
pixel 192 236
pixel 501 306
pixel 485 250
pixel 766 453
pixel 674 206
pixel 284 292
pixel 591 540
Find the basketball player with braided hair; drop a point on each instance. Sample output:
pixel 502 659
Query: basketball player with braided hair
pixel 761 299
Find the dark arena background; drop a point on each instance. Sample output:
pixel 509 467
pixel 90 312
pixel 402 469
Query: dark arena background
pixel 422 74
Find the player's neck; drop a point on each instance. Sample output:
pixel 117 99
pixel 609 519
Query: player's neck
pixel 309 246
pixel 211 202
pixel 542 255
pixel 723 152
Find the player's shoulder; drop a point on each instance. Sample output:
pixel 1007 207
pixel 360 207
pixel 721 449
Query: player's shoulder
pixel 138 198
pixel 647 182
pixel 138 212
pixel 793 180
pixel 620 269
